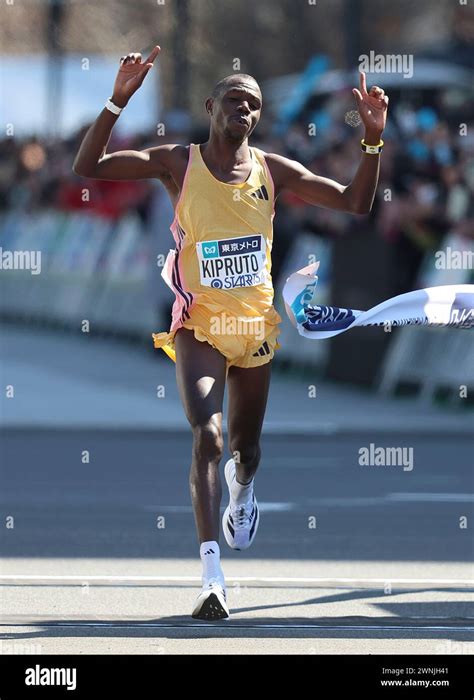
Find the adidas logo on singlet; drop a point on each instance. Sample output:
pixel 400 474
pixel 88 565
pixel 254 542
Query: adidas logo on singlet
pixel 261 193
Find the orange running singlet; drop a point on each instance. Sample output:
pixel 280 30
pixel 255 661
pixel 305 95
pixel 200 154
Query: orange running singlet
pixel 220 270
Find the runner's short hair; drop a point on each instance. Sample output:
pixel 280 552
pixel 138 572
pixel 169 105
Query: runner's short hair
pixel 226 83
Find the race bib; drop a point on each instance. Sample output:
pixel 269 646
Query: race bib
pixel 232 262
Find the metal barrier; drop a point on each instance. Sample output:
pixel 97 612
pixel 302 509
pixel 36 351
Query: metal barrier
pixel 91 269
pixel 432 358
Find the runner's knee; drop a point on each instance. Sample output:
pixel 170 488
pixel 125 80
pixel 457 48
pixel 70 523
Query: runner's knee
pixel 208 443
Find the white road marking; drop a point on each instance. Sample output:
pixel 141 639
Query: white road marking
pixel 351 501
pixel 298 462
pixel 435 497
pixel 264 506
pixel 255 579
pixel 393 498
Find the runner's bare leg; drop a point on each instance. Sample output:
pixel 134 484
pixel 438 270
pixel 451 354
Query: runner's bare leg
pixel 247 400
pixel 200 375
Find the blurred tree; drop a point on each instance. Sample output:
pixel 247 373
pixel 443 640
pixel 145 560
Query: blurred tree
pixel 181 98
pixel 54 20
pixel 201 39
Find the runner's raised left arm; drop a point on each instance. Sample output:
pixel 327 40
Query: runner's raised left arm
pixel 356 197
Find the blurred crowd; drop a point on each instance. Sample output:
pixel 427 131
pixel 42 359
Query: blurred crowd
pixel 425 191
pixel 426 183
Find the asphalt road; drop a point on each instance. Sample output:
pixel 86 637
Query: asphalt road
pixel 102 557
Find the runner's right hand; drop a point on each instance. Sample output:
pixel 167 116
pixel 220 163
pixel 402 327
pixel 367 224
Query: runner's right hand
pixel 132 73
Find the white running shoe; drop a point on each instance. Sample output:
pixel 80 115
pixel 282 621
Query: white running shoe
pixel 240 521
pixel 211 603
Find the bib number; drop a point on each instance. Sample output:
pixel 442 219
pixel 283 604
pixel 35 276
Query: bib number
pixel 232 262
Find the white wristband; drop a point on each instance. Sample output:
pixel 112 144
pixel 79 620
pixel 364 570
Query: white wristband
pixel 113 108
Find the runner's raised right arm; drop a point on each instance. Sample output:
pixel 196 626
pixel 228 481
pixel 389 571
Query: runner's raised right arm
pixel 91 159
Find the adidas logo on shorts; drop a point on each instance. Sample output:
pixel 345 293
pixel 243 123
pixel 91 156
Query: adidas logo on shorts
pixel 263 350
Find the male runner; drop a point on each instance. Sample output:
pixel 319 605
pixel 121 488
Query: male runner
pixel 224 325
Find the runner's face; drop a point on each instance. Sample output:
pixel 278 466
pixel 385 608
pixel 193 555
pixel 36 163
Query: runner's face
pixel 238 111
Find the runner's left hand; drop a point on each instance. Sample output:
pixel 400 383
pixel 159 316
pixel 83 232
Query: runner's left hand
pixel 372 106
